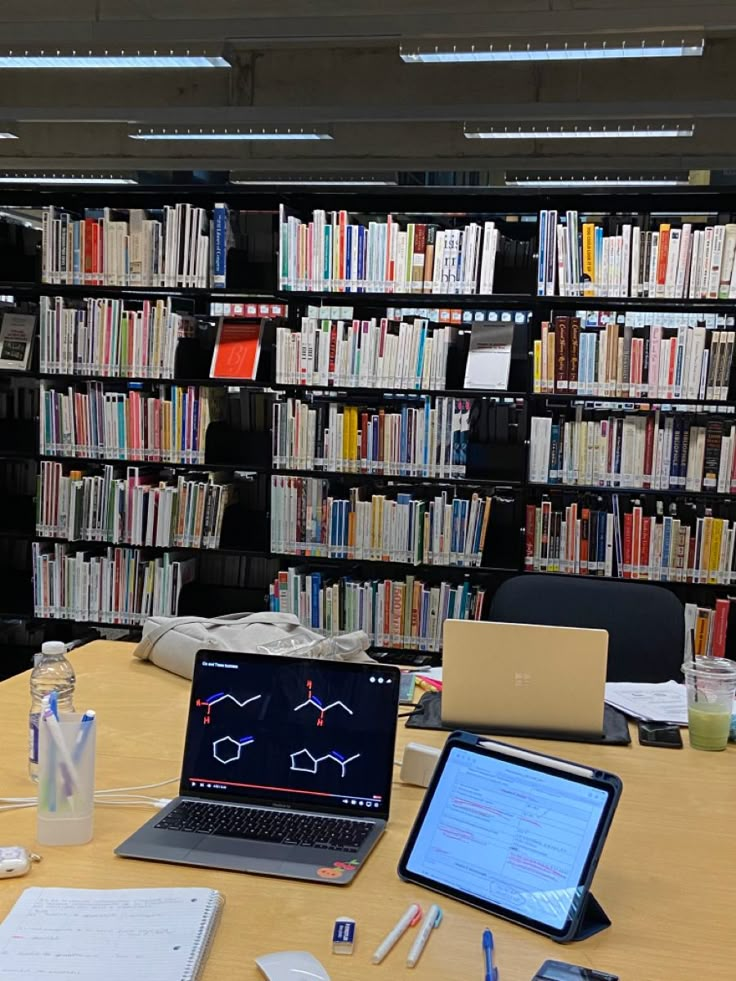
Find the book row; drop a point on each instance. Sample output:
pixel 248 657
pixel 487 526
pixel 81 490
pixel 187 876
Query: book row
pixel 630 542
pixel 682 356
pixel 307 520
pixel 427 438
pixel 111 585
pixel 706 630
pixel 170 426
pixel 17 478
pixel 176 246
pixel 134 508
pixel 406 613
pixel 672 262
pixel 652 450
pixel 105 337
pixel 361 354
pixel 331 253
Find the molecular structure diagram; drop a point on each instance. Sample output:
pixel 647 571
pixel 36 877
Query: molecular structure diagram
pixel 310 764
pixel 210 702
pixel 312 699
pixel 225 753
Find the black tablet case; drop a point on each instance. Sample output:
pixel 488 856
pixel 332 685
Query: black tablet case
pixel 428 715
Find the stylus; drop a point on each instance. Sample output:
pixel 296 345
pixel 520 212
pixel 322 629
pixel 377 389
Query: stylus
pixel 491 971
pixel 412 916
pixel 431 920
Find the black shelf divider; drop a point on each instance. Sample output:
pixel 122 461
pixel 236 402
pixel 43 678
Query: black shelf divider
pixel 498 483
pixel 668 583
pixel 477 301
pixel 655 303
pixel 405 567
pixel 152 549
pixel 631 491
pixel 346 392
pixel 89 460
pixel 566 398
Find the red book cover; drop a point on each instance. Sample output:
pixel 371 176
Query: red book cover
pixel 584 543
pixel 390 260
pixel 720 627
pixel 628 534
pixel 89 250
pixel 664 249
pixel 333 351
pixel 531 517
pixel 343 221
pixel 364 442
pixel 636 541
pixel 648 451
pixel 237 350
pixel 387 604
pixel 646 535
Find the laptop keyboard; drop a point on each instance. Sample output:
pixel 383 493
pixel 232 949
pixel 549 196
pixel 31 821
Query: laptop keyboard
pixel 276 827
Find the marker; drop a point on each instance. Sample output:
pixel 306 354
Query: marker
pixel 85 728
pixel 431 921
pixel 412 916
pixel 53 704
pixel 491 971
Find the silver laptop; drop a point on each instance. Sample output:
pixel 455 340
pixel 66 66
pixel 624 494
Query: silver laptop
pixel 287 768
pixel 524 679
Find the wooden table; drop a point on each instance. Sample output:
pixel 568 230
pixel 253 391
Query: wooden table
pixel 667 877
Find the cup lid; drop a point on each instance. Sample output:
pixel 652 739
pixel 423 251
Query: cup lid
pixel 710 667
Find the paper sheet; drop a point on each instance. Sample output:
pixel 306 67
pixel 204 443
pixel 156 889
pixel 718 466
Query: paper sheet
pixel 91 934
pixel 666 702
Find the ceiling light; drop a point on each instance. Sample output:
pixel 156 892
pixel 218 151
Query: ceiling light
pixel 228 134
pixel 111 59
pixel 555 51
pixel 84 179
pixel 605 182
pixel 277 182
pixel 593 131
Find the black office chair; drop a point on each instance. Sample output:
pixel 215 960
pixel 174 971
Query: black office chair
pixel 645 623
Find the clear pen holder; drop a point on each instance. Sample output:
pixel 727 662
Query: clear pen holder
pixel 66 781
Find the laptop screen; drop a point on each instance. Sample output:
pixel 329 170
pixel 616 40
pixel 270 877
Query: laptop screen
pixel 280 730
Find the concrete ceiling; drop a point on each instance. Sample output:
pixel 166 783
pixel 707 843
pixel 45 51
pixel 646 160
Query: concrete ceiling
pixel 337 64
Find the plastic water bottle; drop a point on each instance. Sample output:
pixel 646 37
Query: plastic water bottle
pixel 52 672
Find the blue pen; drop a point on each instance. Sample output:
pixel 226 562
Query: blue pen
pixel 53 704
pixel 491 971
pixel 85 728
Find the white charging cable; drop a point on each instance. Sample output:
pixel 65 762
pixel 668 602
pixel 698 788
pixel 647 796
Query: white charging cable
pixel 118 796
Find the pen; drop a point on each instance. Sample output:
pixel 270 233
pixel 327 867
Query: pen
pixel 53 704
pixel 491 971
pixel 431 921
pixel 412 916
pixel 85 728
pixel 71 777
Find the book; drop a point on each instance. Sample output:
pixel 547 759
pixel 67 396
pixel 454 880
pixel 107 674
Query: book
pixel 151 934
pixel 237 350
pixel 16 341
pixel 489 355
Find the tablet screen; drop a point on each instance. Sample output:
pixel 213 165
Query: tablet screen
pixel 509 835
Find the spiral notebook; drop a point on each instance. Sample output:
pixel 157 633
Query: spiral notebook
pixel 115 934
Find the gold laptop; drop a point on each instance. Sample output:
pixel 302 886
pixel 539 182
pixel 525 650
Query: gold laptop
pixel 521 678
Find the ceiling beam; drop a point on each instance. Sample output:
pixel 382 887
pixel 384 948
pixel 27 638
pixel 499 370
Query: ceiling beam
pixel 285 115
pixel 711 18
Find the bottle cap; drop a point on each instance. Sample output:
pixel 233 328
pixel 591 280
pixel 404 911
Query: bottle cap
pixel 53 647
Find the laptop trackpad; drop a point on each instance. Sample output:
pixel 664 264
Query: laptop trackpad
pixel 230 853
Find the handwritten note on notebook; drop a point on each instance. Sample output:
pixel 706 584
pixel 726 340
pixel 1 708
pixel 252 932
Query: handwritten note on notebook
pixel 115 934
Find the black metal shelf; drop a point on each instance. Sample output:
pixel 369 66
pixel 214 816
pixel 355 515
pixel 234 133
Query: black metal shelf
pixel 74 291
pixel 631 491
pixel 636 303
pixel 668 583
pixel 396 478
pixel 451 300
pixel 155 549
pixel 88 460
pixel 347 391
pixel 72 379
pixel 397 566
pixel 660 401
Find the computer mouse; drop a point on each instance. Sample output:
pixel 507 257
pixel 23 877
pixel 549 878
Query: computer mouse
pixel 291 965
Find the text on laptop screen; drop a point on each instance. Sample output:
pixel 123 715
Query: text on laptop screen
pixel 287 730
pixel 506 834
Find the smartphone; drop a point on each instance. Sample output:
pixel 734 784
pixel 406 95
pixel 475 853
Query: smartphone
pixel 660 734
pixel 406 688
pixel 559 971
